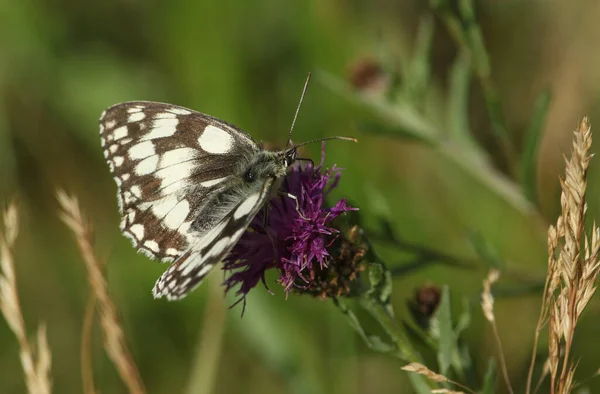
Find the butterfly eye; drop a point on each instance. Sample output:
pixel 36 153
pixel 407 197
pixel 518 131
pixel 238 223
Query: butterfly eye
pixel 249 175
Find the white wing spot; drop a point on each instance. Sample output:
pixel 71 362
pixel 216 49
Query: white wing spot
pixel 147 166
pixel 138 231
pixel 211 235
pixel 113 148
pixel 172 252
pixel 135 109
pixel 118 160
pixel 183 229
pixel 120 202
pixel 187 266
pixel 176 156
pixel 165 115
pixel 152 245
pixel 205 269
pixel 162 128
pixel 179 111
pixel 120 132
pixel 141 150
pixel 246 207
pixel 125 177
pixel 110 124
pixel 136 191
pixel 162 208
pixel 185 282
pixel 238 234
pixel 215 140
pixel 190 265
pixel 177 216
pixel 212 182
pixel 175 177
pixel 128 197
pixel 136 116
pixel 219 247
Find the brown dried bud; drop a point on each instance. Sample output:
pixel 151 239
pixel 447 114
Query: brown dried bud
pixel 424 304
pixel 367 75
pixel 342 270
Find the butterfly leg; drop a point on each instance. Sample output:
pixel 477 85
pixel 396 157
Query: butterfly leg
pixel 266 215
pixel 266 227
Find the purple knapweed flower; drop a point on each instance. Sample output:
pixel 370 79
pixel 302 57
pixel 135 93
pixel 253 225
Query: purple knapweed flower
pixel 298 235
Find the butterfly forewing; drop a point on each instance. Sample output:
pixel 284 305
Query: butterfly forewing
pixel 168 163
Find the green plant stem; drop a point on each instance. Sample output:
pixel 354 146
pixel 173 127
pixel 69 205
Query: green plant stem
pixel 404 351
pixel 467 35
pixel 384 316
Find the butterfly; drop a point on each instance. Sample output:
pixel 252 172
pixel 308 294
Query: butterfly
pixel 188 185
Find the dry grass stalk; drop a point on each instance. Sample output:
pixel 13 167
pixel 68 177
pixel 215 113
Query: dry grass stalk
pixel 87 372
pixel 487 305
pixel 487 300
pixel 36 361
pixel 423 370
pixel 114 339
pixel 573 266
pixel 434 377
pixel 543 375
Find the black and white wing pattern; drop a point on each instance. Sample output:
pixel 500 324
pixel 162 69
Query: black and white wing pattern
pixel 169 163
pixel 188 271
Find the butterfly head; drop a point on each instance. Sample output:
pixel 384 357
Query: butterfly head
pixel 290 156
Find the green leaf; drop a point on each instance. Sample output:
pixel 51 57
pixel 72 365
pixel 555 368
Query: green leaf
pixel 449 355
pixel 277 338
pixel 485 250
pixel 489 381
pixel 464 321
pixel 378 204
pixel 419 71
pixel 374 342
pixel 458 102
pixel 531 145
pixel 403 116
pixel 386 130
pixel 445 332
pixel 411 121
pixel 419 383
pixel 380 279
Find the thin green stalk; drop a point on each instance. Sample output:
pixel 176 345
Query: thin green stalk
pixel 404 349
pixel 465 31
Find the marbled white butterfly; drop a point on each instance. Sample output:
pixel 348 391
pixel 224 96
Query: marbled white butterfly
pixel 188 185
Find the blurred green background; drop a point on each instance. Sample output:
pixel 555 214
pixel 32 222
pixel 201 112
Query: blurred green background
pixel 63 62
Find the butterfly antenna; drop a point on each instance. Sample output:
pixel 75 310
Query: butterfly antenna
pixel 326 139
pixel 297 111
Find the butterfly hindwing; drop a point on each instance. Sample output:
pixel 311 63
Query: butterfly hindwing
pixel 188 271
pixel 168 163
